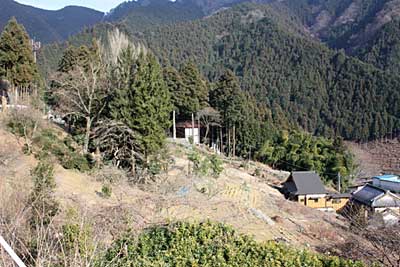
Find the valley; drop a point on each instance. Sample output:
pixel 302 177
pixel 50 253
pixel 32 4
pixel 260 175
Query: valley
pixel 201 133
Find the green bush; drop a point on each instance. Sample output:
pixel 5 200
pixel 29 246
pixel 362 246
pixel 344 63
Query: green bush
pixel 205 165
pixel 216 165
pixel 44 206
pixel 106 191
pixel 208 244
pixel 51 145
pixel 76 238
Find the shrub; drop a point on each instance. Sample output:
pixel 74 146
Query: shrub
pixel 106 191
pixel 44 206
pixel 216 165
pixel 205 165
pixel 208 244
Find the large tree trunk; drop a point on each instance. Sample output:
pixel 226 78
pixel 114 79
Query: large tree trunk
pixel 87 135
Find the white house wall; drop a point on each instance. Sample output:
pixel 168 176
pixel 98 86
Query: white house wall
pixel 188 135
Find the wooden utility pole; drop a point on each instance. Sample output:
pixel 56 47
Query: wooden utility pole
pixel 174 125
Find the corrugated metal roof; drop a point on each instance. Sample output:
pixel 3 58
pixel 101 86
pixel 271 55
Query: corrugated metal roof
pixel 305 183
pixel 388 178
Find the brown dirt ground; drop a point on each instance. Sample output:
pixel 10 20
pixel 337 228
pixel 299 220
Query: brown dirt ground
pixel 250 204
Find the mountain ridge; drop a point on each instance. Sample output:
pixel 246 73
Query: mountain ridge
pixel 49 26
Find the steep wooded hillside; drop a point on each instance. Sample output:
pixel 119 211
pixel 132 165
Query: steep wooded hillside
pixel 384 50
pixel 140 15
pixel 300 80
pixel 49 26
pixel 303 82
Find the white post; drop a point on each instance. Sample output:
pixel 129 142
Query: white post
pixel 11 252
pixel 174 125
pixel 193 129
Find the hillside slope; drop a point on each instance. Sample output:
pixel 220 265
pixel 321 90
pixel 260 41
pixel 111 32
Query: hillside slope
pixel 249 203
pixel 49 26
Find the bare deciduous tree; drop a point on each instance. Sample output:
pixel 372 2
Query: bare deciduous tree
pixel 118 142
pixel 209 117
pixel 373 239
pixel 82 92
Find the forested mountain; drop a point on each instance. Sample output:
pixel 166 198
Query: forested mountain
pixel 49 26
pixel 300 80
pixel 384 50
pixel 142 14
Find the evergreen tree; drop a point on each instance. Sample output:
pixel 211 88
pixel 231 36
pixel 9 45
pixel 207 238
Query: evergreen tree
pixel 152 105
pixel 16 57
pixel 231 102
pixel 44 206
pixel 121 106
pixel 228 98
pixel 174 82
pixel 194 95
pixel 144 104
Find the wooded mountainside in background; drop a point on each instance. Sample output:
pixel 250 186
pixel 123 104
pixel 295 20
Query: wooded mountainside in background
pixel 49 26
pixel 302 82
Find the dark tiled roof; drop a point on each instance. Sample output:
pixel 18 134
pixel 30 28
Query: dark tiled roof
pixel 344 195
pixel 374 197
pixel 304 183
pixel 367 194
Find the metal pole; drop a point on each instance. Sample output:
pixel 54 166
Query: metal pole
pixel 11 252
pixel 339 183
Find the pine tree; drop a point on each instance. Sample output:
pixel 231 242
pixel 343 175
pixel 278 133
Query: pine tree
pixel 121 106
pixel 194 95
pixel 145 106
pixel 152 105
pixel 173 81
pixel 230 101
pixel 227 97
pixel 16 57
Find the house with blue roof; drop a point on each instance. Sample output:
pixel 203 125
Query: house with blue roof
pixel 387 182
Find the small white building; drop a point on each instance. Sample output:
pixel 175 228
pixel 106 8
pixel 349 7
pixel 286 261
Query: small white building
pixel 186 130
pixel 387 182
